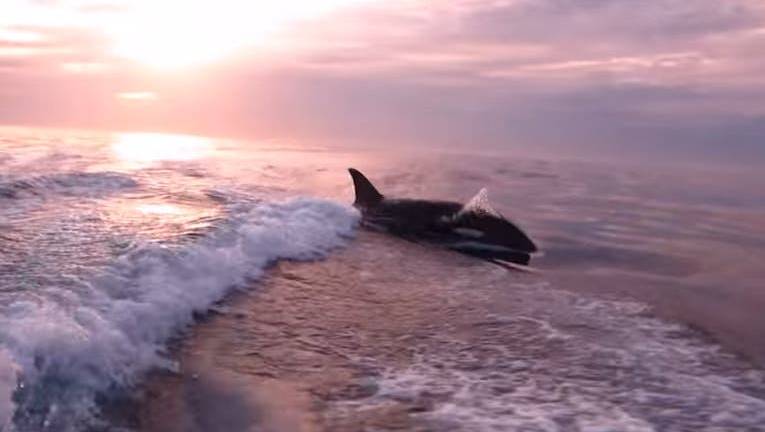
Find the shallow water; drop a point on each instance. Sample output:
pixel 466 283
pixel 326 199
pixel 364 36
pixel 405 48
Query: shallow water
pixel 644 314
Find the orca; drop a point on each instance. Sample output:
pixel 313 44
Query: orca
pixel 474 228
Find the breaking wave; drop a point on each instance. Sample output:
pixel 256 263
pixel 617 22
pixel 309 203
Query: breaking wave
pixel 60 349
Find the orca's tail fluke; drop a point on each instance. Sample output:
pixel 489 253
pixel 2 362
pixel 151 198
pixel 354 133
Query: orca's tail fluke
pixel 366 194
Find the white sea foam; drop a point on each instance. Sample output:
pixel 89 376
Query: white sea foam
pixel 7 387
pixel 637 374
pixel 67 345
pixel 480 204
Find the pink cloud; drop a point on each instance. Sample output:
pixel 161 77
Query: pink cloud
pixel 431 72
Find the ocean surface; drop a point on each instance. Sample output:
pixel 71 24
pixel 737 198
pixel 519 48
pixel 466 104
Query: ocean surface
pixel 154 282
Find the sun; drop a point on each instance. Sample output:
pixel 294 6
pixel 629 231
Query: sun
pixel 180 33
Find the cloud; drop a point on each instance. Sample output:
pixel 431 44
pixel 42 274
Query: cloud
pixel 567 76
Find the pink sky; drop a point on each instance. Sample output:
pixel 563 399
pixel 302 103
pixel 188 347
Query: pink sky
pixel 566 75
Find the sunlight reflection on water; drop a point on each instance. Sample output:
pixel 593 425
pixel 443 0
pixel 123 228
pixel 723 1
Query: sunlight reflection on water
pixel 141 149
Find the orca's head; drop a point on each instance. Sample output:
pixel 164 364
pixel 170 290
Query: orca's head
pixel 366 194
pixel 495 229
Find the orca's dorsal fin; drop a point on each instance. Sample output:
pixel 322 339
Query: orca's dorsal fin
pixel 366 194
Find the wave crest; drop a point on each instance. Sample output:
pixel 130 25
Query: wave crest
pixel 72 345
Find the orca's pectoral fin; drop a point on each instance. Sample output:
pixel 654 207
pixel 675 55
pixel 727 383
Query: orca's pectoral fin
pixel 491 253
pixel 513 266
pixel 366 194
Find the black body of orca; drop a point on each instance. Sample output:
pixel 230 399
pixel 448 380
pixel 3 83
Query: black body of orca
pixel 472 230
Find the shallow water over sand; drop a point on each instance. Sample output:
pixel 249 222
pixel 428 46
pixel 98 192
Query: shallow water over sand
pixel 644 312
